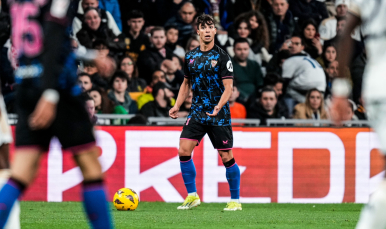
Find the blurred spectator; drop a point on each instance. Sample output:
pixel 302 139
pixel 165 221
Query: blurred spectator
pixel 222 11
pixel 93 29
pixel 237 109
pixel 248 76
pixel 313 108
pixel 276 63
pixel 332 72
pixel 103 105
pixel 136 40
pixel 259 35
pixel 308 9
pixel 357 46
pixel 360 112
pixel 184 22
pixel 135 84
pixel 350 115
pixel 152 58
pixel 96 79
pixel 280 23
pixel 185 108
pixel 329 54
pixel 174 77
pixel 112 6
pixel 357 69
pixel 301 73
pixel 5 27
pixel 90 107
pixel 106 18
pixel 313 45
pixel 162 102
pixel 192 44
pixel 276 82
pixel 171 41
pixel 158 76
pixel 327 28
pixel 119 94
pixel 266 107
pixel 84 81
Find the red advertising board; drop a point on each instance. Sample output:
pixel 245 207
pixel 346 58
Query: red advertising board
pixel 285 165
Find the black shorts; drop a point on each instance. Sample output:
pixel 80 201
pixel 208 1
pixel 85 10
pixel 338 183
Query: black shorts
pixel 220 136
pixel 72 125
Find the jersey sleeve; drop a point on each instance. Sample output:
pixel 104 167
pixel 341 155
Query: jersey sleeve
pixel 186 68
pixel 226 67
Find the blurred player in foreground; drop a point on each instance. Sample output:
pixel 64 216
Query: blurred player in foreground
pixel 5 140
pixel 48 104
pixel 372 16
pixel 209 73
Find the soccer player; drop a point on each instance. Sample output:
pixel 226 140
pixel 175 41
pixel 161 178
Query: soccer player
pixel 5 140
pixel 372 15
pixel 209 73
pixel 48 104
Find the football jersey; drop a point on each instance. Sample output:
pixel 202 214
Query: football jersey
pixel 373 17
pixel 41 39
pixel 206 72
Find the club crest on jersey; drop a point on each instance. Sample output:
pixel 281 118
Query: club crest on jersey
pixel 214 62
pixel 191 61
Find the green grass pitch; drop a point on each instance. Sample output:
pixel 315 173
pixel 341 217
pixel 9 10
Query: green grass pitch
pixel 70 215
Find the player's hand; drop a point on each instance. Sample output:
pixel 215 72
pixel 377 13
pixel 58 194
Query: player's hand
pixel 43 115
pixel 338 110
pixel 215 111
pixel 173 113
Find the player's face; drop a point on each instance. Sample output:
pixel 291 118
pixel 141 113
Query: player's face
pixel 235 94
pixel 90 107
pixel 92 19
pixel 85 83
pixel 280 7
pixel 119 85
pixel 309 32
pixel 296 45
pixel 194 44
pixel 278 88
pixel 127 66
pixel 96 97
pixel 187 13
pixel 90 3
pixel 268 100
pixel 242 51
pixel 243 30
pixel 332 70
pixel 158 39
pixel 330 54
pixel 341 10
pixel 207 32
pixel 253 22
pixel 136 24
pixel 315 100
pixel 172 36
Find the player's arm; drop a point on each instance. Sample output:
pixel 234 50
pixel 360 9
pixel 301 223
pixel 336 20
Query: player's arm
pixel 55 31
pixel 341 88
pixel 228 85
pixel 182 95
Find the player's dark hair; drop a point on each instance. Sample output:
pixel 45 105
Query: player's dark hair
pixel 240 40
pixel 119 74
pixel 157 28
pixel 267 89
pixel 205 19
pixel 135 14
pixel 271 79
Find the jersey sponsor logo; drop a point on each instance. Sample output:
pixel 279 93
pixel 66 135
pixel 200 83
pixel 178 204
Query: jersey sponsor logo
pixel 191 61
pixel 214 62
pixel 229 66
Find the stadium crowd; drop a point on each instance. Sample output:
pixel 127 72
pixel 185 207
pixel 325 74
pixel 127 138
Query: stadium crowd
pixel 284 55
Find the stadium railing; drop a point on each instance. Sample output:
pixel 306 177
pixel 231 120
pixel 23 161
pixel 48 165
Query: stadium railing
pixel 108 119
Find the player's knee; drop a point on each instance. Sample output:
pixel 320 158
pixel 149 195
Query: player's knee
pixel 92 171
pixel 184 152
pixel 226 156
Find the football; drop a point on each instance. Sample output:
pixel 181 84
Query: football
pixel 126 199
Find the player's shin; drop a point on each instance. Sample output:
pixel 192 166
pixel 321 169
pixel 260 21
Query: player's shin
pixel 10 192
pixel 188 174
pixel 13 221
pixel 95 204
pixel 233 177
